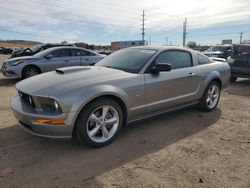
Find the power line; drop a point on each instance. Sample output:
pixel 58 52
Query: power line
pixel 216 34
pixel 77 22
pixel 45 37
pixel 18 32
pixel 112 4
pixel 99 17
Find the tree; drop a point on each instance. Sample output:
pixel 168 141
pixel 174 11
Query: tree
pixel 64 42
pixel 192 44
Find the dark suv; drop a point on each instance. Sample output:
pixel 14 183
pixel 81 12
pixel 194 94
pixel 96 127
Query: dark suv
pixel 34 50
pixel 240 66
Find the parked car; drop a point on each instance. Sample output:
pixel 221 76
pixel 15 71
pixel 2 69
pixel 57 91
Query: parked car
pixel 219 51
pixel 36 49
pixel 49 60
pixel 5 50
pixel 93 103
pixel 240 66
pixel 224 51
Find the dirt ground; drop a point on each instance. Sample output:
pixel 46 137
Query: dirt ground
pixel 183 149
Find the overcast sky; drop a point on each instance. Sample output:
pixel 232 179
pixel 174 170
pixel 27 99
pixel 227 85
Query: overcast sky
pixel 103 21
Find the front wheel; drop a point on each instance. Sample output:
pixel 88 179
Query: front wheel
pixel 210 97
pixel 99 123
pixel 30 71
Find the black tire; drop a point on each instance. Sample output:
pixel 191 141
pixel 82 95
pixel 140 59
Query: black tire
pixel 233 79
pixel 27 71
pixel 81 125
pixel 204 106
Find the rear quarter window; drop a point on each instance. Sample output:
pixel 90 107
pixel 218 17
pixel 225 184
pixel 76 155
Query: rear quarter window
pixel 202 60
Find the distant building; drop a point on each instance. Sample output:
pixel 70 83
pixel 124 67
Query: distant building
pixel 227 41
pixel 125 44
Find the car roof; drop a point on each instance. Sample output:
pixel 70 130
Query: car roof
pixel 162 48
pixel 55 44
pixel 66 47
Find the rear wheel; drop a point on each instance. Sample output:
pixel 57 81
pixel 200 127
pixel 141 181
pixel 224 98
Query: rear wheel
pixel 210 97
pixel 30 71
pixel 99 123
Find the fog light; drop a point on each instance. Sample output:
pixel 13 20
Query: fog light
pixel 49 121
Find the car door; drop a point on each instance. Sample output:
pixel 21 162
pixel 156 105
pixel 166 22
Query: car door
pixel 81 56
pixel 239 65
pixel 168 89
pixel 89 58
pixel 75 59
pixel 59 58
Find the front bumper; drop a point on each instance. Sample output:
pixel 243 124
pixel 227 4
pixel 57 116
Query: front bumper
pixel 26 115
pixel 8 72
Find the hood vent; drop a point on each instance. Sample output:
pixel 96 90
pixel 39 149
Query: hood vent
pixel 59 71
pixel 71 70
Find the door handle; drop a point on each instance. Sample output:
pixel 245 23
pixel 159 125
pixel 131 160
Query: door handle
pixel 87 59
pixel 66 61
pixel 191 74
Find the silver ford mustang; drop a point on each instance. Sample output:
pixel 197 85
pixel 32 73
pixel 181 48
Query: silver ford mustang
pixel 93 103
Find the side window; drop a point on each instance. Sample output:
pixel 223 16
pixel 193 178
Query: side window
pixel 177 59
pixel 90 54
pixel 61 53
pixel 202 59
pixel 78 52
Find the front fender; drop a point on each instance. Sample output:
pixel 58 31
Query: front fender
pixel 98 91
pixel 95 92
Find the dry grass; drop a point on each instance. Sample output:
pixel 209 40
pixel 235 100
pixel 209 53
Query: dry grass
pixel 16 45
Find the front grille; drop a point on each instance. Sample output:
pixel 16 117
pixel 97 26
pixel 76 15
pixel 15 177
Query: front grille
pixel 27 99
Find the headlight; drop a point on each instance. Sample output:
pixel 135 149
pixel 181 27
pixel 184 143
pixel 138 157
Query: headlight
pixel 14 63
pixel 46 104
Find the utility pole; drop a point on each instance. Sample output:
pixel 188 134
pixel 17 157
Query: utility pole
pixel 184 31
pixel 166 41
pixel 143 27
pixel 241 33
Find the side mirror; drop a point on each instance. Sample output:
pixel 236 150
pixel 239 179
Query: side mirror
pixel 161 67
pixel 49 56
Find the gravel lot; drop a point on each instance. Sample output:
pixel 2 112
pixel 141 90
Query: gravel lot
pixel 183 149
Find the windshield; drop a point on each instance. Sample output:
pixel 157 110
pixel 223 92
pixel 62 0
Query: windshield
pixel 36 48
pixel 129 60
pixel 43 53
pixel 216 48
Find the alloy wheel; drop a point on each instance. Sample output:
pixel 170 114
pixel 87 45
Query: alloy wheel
pixel 102 123
pixel 31 72
pixel 212 96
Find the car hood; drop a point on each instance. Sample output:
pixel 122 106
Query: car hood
pixel 21 58
pixel 55 83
